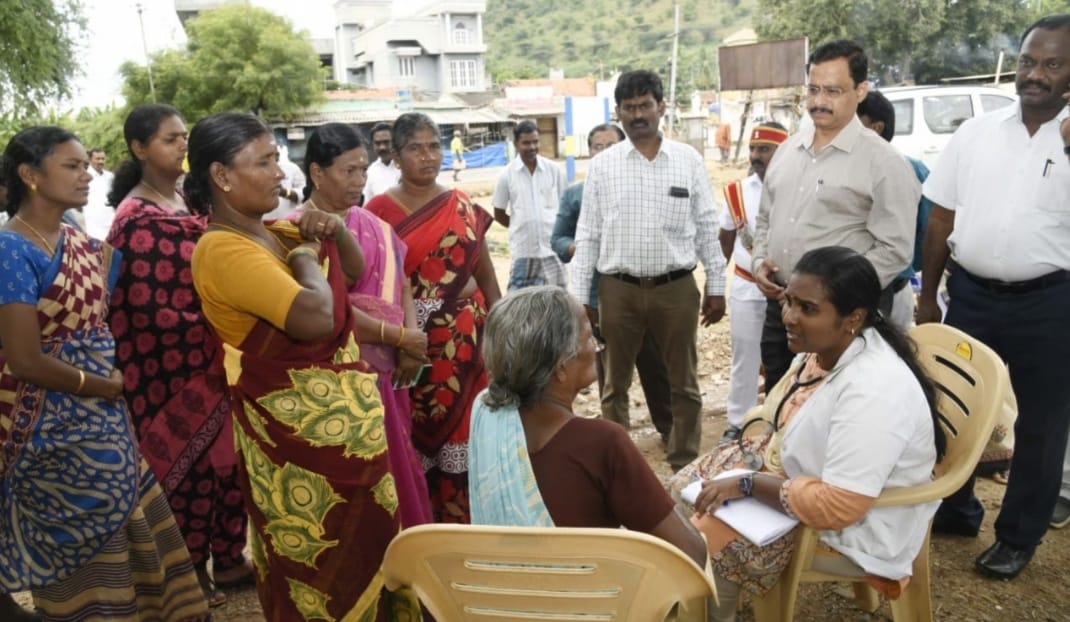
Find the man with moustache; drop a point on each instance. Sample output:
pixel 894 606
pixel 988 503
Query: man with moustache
pixel 648 218
pixel 833 184
pixel 382 174
pixel 525 202
pixel 648 364
pixel 1001 222
pixel 97 214
pixel 742 198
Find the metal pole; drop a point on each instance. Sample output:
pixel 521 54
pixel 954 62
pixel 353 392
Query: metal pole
pixel 570 143
pixel 145 46
pixel 672 71
pixel 999 69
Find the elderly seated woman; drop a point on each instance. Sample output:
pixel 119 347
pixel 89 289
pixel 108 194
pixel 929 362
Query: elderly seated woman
pixel 856 416
pixel 532 461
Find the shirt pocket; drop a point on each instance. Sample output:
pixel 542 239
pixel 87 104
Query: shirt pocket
pixel 844 203
pixel 1053 191
pixel 675 210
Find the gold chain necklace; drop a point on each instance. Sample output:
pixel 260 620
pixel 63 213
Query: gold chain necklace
pixel 255 238
pixel 51 249
pixel 145 183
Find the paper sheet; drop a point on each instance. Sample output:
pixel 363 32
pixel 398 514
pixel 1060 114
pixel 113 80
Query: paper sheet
pixel 754 520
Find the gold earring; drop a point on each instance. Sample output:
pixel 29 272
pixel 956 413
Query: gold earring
pixel 33 187
pixel 226 188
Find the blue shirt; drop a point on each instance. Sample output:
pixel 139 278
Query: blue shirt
pixel 924 207
pixel 564 233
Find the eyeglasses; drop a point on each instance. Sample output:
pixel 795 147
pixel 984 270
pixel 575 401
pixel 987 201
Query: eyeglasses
pixel 832 92
pixel 642 108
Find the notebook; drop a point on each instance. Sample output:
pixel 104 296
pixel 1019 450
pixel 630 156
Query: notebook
pixel 754 520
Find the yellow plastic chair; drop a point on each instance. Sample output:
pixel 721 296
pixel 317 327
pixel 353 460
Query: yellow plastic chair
pixel 971 381
pixel 479 572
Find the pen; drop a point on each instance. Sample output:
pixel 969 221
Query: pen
pixel 1047 167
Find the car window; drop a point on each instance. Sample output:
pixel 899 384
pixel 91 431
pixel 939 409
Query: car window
pixel 995 102
pixel 945 113
pixel 904 116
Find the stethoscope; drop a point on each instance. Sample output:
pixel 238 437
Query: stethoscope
pixel 752 460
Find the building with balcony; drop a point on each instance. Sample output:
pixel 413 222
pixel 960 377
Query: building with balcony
pixel 435 50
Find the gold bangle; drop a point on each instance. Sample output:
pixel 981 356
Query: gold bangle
pixel 81 382
pixel 300 250
pixel 401 335
pixel 382 331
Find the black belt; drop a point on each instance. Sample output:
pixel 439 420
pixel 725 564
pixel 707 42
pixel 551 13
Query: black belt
pixel 650 282
pixel 898 285
pixel 1015 287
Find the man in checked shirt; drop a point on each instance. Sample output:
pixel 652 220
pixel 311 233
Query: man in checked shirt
pixel 648 218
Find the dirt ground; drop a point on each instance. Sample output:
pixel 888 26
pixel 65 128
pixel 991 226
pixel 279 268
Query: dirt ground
pixel 1039 593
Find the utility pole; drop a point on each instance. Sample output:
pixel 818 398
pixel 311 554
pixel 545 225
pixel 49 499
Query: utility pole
pixel 145 46
pixel 672 70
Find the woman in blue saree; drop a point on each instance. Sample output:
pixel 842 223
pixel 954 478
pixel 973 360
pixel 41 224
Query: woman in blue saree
pixel 83 523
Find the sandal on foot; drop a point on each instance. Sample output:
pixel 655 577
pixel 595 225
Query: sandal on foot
pixel 215 596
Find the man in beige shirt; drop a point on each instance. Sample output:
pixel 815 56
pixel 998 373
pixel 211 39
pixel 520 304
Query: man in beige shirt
pixel 836 184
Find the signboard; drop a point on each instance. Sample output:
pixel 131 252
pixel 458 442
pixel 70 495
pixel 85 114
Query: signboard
pixel 765 65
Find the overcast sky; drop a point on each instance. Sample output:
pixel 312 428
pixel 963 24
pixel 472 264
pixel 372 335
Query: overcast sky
pixel 114 36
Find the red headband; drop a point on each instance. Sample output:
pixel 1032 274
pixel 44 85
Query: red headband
pixel 766 134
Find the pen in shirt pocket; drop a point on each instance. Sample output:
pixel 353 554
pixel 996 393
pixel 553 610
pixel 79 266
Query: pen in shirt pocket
pixel 1047 167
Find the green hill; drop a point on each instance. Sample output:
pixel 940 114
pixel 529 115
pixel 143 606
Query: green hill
pixel 526 38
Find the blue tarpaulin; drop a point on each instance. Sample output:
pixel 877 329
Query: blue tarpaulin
pixel 491 155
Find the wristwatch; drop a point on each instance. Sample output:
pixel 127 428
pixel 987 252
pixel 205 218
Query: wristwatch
pixel 746 484
pixel 1066 149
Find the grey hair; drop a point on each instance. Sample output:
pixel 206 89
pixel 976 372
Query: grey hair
pixel 406 126
pixel 527 335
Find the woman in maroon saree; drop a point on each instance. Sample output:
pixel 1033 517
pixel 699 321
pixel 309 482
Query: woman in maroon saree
pixel 171 362
pixel 453 285
pixel 314 460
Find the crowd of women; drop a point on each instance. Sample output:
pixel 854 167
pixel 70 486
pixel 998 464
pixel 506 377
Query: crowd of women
pixel 204 380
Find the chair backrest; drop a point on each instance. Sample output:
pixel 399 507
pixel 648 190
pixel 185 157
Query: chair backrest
pixel 479 572
pixel 971 381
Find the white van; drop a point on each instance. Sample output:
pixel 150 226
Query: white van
pixel 927 116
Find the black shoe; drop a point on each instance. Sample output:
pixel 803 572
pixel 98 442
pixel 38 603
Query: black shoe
pixel 950 527
pixel 1003 561
pixel 731 435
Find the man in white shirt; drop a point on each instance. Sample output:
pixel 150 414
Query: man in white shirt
pixel 382 174
pixel 1001 221
pixel 525 201
pixel 293 185
pixel 746 300
pixel 648 218
pixel 97 213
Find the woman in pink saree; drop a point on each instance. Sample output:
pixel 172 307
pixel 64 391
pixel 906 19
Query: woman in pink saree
pixel 391 342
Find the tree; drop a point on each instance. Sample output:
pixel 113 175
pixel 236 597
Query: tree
pixel 102 128
pixel 39 40
pixel 906 40
pixel 238 57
